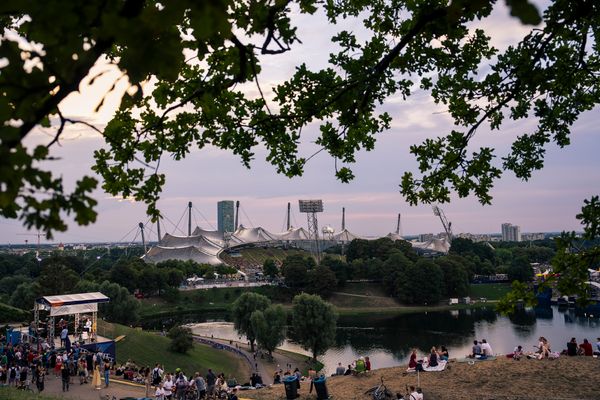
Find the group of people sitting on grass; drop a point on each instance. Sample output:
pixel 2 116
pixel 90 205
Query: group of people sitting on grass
pixel 433 359
pixel 543 350
pixel 585 348
pixel 363 364
pixel 481 350
pixel 25 367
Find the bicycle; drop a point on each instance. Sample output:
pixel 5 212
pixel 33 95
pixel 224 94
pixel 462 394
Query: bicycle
pixel 380 392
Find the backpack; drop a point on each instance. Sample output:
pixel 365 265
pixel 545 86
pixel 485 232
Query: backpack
pixel 181 384
pixel 155 375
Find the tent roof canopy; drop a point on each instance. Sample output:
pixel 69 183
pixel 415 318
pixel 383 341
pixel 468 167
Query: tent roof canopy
pixel 73 299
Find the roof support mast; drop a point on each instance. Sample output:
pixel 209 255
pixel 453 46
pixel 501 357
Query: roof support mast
pixel 158 229
pixel 343 218
pixel 190 218
pixel 141 225
pixel 288 215
pixel 237 214
pixel 398 225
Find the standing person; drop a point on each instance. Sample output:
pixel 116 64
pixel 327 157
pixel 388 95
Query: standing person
pixel 81 371
pixel 96 380
pixel 106 365
pixel 367 364
pixel 65 377
pixel 41 375
pixel 168 387
pixel 211 379
pixel 159 394
pixel 156 375
pixel 147 379
pixel 64 333
pixel 200 385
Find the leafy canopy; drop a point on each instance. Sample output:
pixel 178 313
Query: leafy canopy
pixel 200 55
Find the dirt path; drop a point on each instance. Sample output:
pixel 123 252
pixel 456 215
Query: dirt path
pixel 53 386
pixel 262 365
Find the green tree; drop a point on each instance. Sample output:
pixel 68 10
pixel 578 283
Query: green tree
pixel 421 283
pixel 181 339
pixel 122 307
pixel 393 268
pixel 124 274
pixel 25 295
pixel 270 268
pixel 339 267
pixel 321 281
pixel 270 327
pixel 196 101
pixel 314 322
pixel 295 271
pixel 56 278
pixel 520 270
pixel 241 312
pixel 456 277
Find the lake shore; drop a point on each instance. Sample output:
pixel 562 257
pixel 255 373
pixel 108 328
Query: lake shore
pixel 503 378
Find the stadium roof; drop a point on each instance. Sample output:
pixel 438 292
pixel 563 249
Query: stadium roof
pixel 160 253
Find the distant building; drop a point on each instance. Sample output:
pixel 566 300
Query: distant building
pixel 423 237
pixel 511 233
pixel 225 216
pixel 533 236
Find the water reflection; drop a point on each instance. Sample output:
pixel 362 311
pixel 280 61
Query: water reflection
pixel 387 340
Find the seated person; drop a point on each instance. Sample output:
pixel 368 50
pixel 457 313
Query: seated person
pixel 360 366
pixel 517 352
pixel 586 348
pixel 339 370
pixel 349 370
pixel 486 349
pixel 597 352
pixel 476 350
pixel 443 354
pixel 433 358
pixel 572 347
pixel 413 359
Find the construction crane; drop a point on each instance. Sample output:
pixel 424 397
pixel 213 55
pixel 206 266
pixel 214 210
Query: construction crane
pixel 438 212
pixel 38 235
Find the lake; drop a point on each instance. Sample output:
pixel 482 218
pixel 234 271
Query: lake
pixel 387 340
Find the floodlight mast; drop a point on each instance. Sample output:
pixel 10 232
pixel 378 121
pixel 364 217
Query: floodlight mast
pixel 311 208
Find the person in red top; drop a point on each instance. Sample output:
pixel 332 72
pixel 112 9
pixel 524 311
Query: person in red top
pixel 367 364
pixel 586 347
pixel 413 359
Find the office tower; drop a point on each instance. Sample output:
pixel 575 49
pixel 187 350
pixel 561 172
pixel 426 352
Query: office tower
pixel 225 216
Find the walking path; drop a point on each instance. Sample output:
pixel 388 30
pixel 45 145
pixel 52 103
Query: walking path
pixel 53 386
pixel 263 366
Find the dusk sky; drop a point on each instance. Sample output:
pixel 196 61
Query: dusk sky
pixel 548 202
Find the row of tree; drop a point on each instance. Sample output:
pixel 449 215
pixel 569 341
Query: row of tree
pixel 313 322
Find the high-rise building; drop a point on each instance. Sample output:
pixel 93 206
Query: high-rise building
pixel 225 216
pixel 511 233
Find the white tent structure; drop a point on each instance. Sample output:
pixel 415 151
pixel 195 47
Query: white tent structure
pixel 435 244
pixel 293 234
pixel 160 253
pixel 345 236
pixel 253 235
pixel 203 243
pixel 394 236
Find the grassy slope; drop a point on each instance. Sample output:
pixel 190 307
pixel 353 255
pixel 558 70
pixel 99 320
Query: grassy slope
pixel 146 348
pixel 13 314
pixel 491 291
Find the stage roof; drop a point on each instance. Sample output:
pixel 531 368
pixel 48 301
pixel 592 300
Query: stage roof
pixel 73 299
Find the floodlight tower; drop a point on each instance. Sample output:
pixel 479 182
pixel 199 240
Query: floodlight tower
pixel 311 208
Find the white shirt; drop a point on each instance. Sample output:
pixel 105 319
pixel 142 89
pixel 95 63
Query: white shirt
pixel 160 393
pixel 168 385
pixel 416 396
pixel 486 349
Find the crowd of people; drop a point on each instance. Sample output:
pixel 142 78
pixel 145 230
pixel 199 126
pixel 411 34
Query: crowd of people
pixel 178 386
pixel 544 350
pixel 26 367
pixel 362 364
